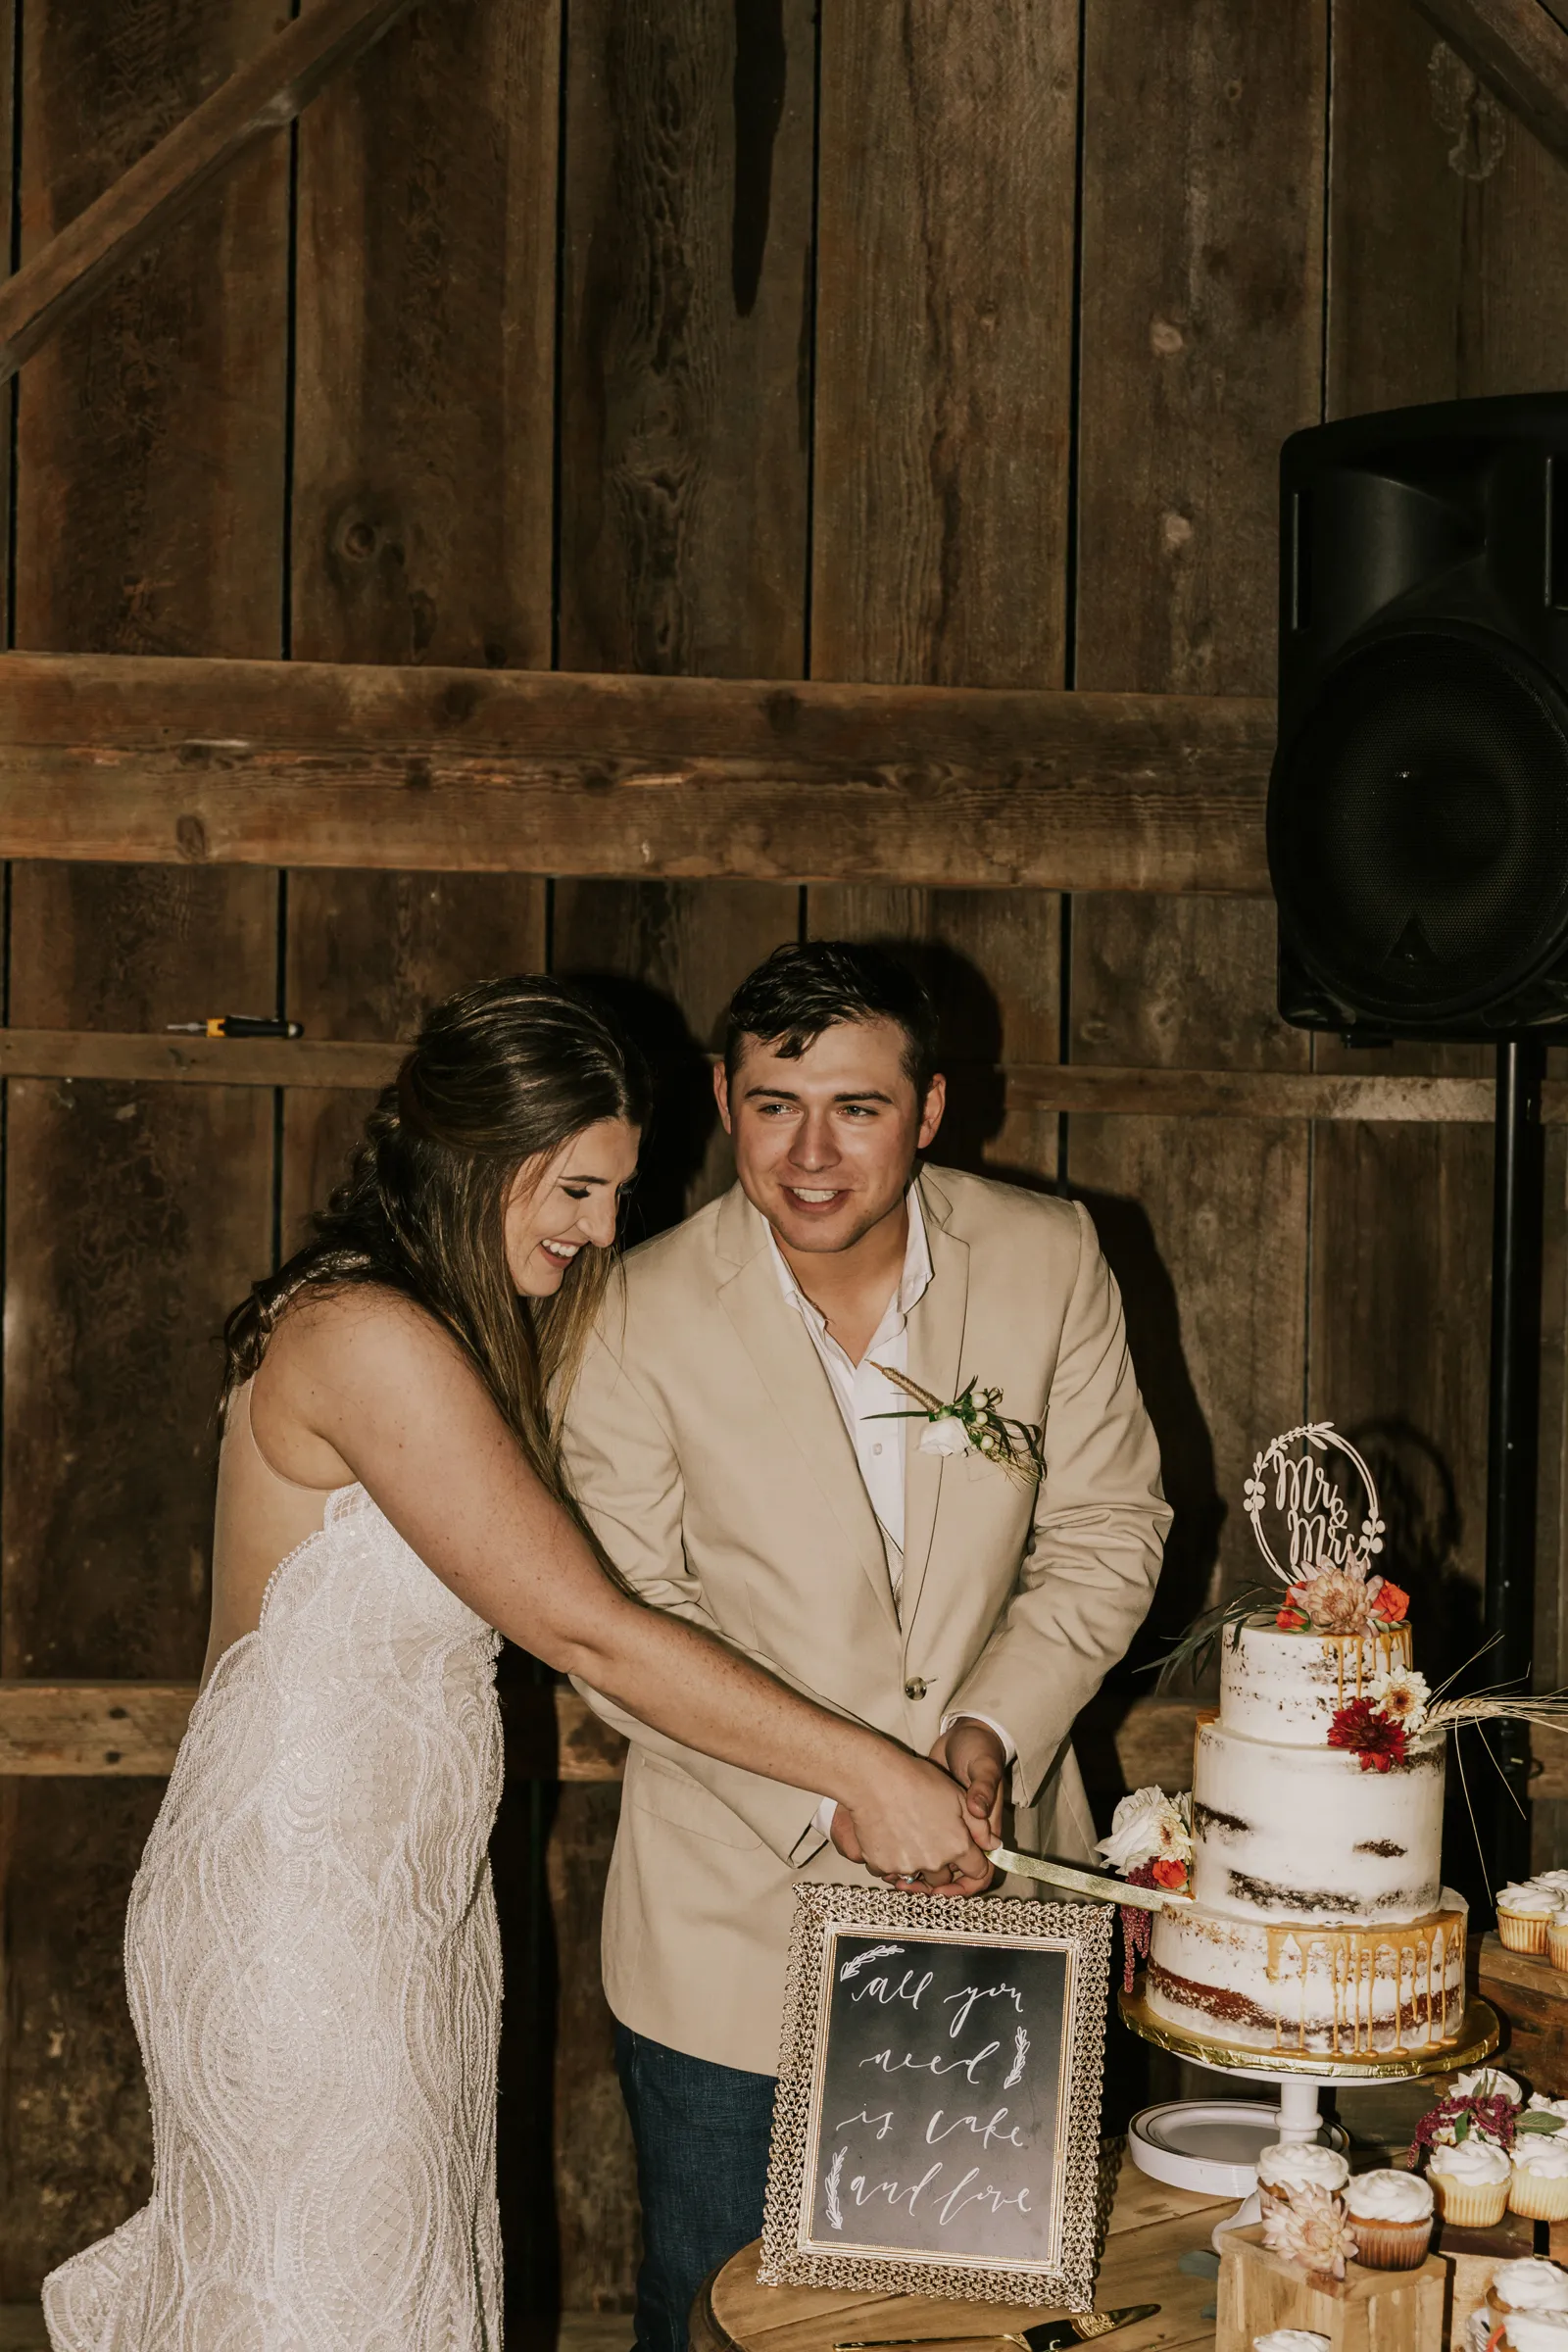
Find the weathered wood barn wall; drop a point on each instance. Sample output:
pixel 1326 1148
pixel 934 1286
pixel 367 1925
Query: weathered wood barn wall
pixel 943 341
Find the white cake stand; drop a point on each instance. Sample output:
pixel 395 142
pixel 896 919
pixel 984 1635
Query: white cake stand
pixel 1214 2144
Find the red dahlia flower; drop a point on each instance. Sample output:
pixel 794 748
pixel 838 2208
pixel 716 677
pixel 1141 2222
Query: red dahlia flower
pixel 1377 1742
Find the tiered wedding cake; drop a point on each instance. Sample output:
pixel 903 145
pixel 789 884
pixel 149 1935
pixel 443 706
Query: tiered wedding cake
pixel 1318 1921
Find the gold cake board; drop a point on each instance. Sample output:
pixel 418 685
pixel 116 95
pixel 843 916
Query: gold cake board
pixel 1477 2038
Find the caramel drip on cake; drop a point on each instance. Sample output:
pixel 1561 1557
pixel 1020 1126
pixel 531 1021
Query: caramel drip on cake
pixel 1391 1648
pixel 1419 1955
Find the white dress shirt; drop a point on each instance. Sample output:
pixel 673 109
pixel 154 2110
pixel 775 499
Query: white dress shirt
pixel 862 1395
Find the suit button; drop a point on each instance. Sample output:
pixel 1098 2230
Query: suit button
pixel 914 1687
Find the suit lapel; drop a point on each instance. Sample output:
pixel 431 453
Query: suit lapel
pixel 771 1331
pixel 936 1361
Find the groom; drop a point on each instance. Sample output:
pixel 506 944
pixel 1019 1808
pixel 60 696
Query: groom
pixel 728 1441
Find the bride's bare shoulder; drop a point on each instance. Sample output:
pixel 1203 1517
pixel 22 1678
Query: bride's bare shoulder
pixel 361 1331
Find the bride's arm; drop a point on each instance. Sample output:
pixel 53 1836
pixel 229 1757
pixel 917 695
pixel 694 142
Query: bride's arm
pixel 364 1379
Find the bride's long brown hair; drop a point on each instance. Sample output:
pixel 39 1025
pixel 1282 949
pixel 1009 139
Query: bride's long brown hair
pixel 500 1077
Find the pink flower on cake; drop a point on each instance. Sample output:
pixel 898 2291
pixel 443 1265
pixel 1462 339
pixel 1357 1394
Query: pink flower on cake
pixel 1312 2229
pixel 1336 1603
pixel 1376 1740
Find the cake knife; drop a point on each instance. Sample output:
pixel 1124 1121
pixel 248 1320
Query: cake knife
pixel 1049 2335
pixel 1099 1883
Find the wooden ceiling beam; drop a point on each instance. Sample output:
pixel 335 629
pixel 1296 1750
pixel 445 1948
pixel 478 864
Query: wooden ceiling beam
pixel 1520 50
pixel 136 1057
pixel 262 97
pixel 299 764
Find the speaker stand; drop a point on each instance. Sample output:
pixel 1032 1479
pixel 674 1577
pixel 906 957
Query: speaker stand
pixel 1512 1426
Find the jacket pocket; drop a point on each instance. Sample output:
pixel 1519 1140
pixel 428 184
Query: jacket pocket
pixel 672 1795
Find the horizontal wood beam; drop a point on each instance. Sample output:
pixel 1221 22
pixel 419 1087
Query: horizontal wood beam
pixel 121 1729
pixel 135 1056
pixel 303 764
pixel 1042 1087
pixel 118 1731
pixel 1520 50
pixel 260 98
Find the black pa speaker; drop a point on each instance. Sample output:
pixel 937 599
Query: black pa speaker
pixel 1418 805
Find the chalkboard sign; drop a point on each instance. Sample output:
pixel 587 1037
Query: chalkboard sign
pixel 937 2126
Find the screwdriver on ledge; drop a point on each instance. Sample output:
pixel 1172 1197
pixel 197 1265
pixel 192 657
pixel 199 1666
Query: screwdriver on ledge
pixel 236 1025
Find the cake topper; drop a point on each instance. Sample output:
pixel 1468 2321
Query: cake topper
pixel 1317 1532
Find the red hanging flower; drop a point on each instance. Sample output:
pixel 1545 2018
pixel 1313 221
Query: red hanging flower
pixel 1136 1924
pixel 1390 1603
pixel 1376 1740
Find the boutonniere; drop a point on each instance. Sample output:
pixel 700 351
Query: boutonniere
pixel 972 1424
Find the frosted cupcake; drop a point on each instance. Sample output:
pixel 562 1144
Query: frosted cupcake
pixel 1289 2165
pixel 1557 1936
pixel 1524 1915
pixel 1539 2189
pixel 1391 2213
pixel 1471 2183
pixel 1488 2082
pixel 1536 2331
pixel 1528 2285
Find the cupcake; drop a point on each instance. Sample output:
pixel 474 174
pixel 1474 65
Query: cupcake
pixel 1539 2189
pixel 1289 2165
pixel 1536 2331
pixel 1530 2284
pixel 1487 2082
pixel 1557 1937
pixel 1471 2184
pixel 1391 2213
pixel 1524 1915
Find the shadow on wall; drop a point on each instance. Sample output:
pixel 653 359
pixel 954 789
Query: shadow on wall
pixel 685 1114
pixel 1423 1536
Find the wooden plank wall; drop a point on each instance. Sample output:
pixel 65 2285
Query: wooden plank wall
pixel 904 340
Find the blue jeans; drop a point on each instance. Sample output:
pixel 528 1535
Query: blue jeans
pixel 702 2133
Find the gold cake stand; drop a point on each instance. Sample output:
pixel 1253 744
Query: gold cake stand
pixel 1477 2038
pixel 1172 2142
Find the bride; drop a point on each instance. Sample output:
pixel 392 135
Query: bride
pixel 310 1950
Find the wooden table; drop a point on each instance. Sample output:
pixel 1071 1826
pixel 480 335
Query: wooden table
pixel 1151 2228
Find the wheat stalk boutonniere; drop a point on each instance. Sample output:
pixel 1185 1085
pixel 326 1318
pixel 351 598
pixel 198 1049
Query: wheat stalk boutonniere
pixel 972 1424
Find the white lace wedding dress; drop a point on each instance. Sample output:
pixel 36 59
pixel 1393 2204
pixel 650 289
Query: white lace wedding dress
pixel 315 1975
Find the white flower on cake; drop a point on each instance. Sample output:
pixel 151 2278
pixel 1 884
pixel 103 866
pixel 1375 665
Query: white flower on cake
pixel 1149 1827
pixel 1403 1694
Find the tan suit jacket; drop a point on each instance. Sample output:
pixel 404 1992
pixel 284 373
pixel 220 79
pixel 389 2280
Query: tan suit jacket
pixel 709 1455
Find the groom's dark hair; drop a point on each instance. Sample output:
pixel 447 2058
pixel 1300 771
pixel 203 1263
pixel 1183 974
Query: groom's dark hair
pixel 799 991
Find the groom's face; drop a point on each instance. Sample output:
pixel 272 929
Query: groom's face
pixel 825 1141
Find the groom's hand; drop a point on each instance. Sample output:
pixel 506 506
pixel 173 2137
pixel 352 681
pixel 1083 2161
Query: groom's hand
pixel 977 1760
pixel 973 1879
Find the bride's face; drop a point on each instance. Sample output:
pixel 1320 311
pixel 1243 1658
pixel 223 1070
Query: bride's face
pixel 566 1204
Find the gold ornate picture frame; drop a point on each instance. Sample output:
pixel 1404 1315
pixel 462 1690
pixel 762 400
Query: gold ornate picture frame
pixel 936 2130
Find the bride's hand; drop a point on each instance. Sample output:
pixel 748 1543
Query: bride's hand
pixel 910 1826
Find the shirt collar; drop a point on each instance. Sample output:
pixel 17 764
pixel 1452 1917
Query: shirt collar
pixel 914 1282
